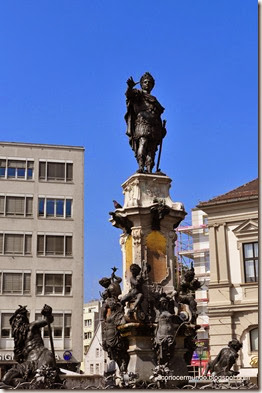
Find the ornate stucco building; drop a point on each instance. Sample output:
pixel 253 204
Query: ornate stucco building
pixel 233 287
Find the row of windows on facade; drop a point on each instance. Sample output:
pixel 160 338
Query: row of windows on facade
pixel 46 283
pixel 47 245
pixel 22 206
pixel 61 327
pixel 24 170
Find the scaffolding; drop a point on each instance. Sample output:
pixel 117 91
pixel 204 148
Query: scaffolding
pixel 185 251
pixel 190 239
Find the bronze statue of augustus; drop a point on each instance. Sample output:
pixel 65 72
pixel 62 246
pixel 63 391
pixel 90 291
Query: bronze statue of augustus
pixel 145 127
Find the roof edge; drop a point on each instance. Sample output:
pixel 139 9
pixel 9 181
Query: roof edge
pixel 51 146
pixel 225 201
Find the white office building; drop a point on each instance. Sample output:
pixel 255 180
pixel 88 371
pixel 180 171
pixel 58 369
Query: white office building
pixel 42 243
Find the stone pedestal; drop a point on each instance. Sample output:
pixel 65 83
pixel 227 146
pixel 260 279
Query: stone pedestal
pixel 148 218
pixel 142 357
pixel 178 364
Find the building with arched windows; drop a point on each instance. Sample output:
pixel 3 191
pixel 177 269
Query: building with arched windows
pixel 233 286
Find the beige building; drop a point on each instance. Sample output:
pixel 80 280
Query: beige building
pixel 233 287
pixel 41 242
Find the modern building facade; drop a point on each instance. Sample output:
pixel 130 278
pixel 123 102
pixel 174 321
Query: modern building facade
pixel 233 287
pixel 42 243
pixel 91 314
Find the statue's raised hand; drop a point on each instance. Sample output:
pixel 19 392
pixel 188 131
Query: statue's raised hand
pixel 47 313
pixel 130 82
pixel 46 310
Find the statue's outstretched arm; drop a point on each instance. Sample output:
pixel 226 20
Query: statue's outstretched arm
pixel 48 318
pixel 38 324
pixel 131 92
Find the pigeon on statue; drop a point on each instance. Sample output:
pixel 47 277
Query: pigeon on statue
pixel 117 205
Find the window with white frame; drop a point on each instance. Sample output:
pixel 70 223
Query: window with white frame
pixel 55 171
pixel 205 223
pixel 54 245
pixel 91 368
pixel 53 283
pixel 15 244
pixel 5 325
pixel 55 207
pixel 89 322
pixel 61 326
pixel 15 283
pixel 16 169
pixel 250 252
pixel 97 368
pixel 253 335
pixel 16 206
pixel 97 352
pixel 89 334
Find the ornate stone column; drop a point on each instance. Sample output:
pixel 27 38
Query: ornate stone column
pixel 148 219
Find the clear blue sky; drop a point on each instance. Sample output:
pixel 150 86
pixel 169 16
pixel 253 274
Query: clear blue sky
pixel 63 71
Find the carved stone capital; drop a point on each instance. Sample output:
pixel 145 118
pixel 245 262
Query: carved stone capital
pixel 122 239
pixel 137 235
pixel 215 225
pixel 173 237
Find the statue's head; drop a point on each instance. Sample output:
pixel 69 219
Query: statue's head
pixel 235 344
pixel 135 269
pixel 163 302
pixel 19 316
pixel 20 326
pixel 105 282
pixel 189 275
pixel 147 82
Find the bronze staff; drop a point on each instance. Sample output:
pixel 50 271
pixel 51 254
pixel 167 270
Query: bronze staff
pixel 160 149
